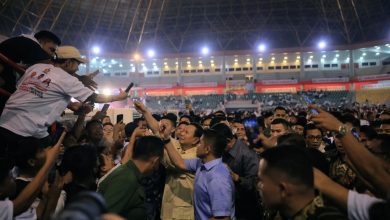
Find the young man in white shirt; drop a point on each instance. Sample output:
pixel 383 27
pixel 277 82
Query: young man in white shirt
pixel 42 94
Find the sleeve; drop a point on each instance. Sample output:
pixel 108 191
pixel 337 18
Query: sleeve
pixel 192 164
pixel 74 88
pixel 250 163
pixel 359 205
pixel 6 210
pixel 221 197
pixel 33 52
pixel 113 193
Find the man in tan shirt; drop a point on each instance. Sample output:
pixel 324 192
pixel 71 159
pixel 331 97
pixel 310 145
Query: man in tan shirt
pixel 177 202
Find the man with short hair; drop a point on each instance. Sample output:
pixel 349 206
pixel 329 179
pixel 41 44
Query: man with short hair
pixel 206 122
pixel 213 187
pixel 299 126
pixel 177 201
pixel 243 165
pixel 286 184
pixel 185 118
pixel 26 49
pixel 280 112
pixel 279 127
pixel 240 132
pixel 385 127
pixel 313 136
pixel 42 94
pixel 122 189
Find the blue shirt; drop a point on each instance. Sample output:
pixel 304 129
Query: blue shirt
pixel 213 189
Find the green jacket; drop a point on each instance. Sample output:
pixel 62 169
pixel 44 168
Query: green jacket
pixel 123 193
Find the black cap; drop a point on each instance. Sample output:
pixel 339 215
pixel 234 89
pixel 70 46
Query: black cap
pixel 172 117
pixel 48 35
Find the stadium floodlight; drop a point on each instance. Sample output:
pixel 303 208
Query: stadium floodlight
pixel 205 50
pixel 261 47
pixel 321 45
pixel 95 49
pixel 137 56
pixel 151 53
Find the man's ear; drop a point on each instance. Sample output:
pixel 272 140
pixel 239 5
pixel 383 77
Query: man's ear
pixel 196 141
pixel 284 189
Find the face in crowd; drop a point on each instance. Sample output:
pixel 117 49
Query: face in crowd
pixel 188 136
pixel 313 138
pixel 278 130
pixel 240 130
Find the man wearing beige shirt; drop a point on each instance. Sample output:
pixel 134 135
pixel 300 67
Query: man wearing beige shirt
pixel 177 202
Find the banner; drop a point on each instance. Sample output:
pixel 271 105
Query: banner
pixel 330 80
pixel 205 84
pixel 279 82
pixel 373 77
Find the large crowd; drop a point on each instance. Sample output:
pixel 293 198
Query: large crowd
pixel 293 162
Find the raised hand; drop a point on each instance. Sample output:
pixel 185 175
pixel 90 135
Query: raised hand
pixel 325 119
pixel 140 107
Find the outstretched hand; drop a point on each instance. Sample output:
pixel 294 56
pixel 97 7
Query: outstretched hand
pixel 87 80
pixel 53 152
pixel 140 107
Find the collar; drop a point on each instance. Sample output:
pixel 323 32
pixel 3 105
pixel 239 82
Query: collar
pixel 209 165
pixel 31 37
pixel 309 209
pixel 130 164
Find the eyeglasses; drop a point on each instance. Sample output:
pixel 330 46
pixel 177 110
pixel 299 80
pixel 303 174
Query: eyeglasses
pixel 108 129
pixel 311 137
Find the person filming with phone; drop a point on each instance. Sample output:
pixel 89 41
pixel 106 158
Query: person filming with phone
pixel 42 94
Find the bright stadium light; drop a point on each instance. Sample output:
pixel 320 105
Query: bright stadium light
pixel 151 53
pixel 137 56
pixel 321 45
pixel 95 49
pixel 205 50
pixel 261 47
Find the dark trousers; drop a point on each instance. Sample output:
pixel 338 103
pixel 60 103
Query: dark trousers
pixel 11 144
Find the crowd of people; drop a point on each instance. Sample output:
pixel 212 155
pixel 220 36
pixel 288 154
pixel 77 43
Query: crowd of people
pixel 288 163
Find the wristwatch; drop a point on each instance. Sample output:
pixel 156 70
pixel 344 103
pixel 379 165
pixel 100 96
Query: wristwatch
pixel 166 141
pixel 342 131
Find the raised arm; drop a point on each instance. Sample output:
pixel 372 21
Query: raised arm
pixel 152 122
pixel 365 162
pixel 331 189
pixel 99 98
pixel 175 157
pixel 31 191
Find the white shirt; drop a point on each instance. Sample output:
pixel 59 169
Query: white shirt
pixel 6 210
pixel 359 205
pixel 42 94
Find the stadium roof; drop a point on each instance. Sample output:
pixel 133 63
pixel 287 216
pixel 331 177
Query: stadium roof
pixel 172 26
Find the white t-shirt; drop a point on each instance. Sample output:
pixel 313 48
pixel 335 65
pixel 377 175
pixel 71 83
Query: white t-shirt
pixel 42 94
pixel 6 210
pixel 359 205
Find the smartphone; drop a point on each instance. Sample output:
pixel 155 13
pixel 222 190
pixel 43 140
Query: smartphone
pixel 314 112
pixel 129 87
pixel 105 107
pixel 119 118
pixel 57 135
